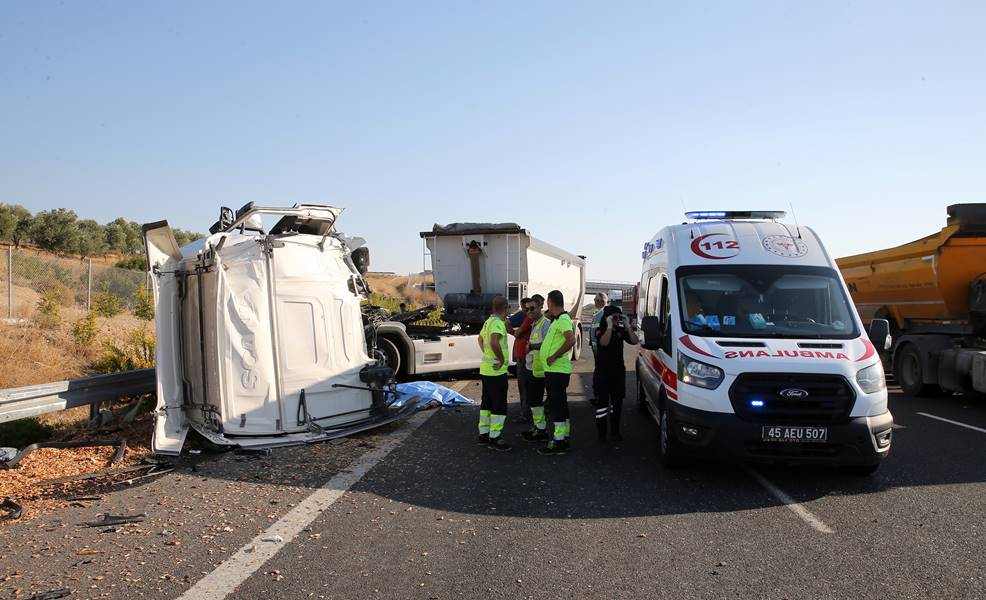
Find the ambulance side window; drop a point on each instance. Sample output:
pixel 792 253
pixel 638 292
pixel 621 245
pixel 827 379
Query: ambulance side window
pixel 665 316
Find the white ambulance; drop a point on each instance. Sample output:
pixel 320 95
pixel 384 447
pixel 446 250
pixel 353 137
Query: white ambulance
pixel 752 349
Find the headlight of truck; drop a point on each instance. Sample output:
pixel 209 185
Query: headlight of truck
pixel 698 373
pixel 871 378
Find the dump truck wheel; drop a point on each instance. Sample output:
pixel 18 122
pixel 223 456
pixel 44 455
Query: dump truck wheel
pixel 909 372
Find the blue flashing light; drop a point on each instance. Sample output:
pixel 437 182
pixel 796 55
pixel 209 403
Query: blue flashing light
pixel 735 214
pixel 756 403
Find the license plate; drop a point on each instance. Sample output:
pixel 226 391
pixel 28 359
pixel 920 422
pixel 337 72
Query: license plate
pixel 778 433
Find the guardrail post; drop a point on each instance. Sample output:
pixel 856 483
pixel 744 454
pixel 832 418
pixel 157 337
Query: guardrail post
pixel 89 289
pixel 10 282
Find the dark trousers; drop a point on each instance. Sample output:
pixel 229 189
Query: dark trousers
pixel 556 385
pixel 595 376
pixel 495 394
pixel 523 376
pixel 609 399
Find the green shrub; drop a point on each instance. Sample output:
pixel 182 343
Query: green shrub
pixel 143 304
pixel 84 331
pixel 136 352
pixel 119 282
pixel 48 310
pixel 106 304
pixel 133 263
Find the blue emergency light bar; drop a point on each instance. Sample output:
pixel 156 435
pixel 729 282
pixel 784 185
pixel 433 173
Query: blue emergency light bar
pixel 735 214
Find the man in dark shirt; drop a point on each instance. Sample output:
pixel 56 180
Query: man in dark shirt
pixel 614 331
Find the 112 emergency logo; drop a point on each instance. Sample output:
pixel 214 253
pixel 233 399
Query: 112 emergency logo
pixel 715 246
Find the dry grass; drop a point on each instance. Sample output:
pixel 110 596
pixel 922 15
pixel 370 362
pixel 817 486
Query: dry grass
pixel 402 288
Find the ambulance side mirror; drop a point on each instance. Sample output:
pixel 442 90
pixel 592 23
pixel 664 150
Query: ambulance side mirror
pixel 653 332
pixel 880 334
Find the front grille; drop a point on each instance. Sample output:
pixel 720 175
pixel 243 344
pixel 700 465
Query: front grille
pixel 830 398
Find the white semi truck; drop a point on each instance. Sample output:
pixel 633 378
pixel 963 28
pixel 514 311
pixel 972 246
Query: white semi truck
pixel 472 263
pixel 260 334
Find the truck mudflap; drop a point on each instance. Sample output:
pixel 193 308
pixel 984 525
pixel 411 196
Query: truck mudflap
pixel 313 436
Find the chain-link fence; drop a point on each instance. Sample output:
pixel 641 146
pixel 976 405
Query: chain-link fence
pixel 30 277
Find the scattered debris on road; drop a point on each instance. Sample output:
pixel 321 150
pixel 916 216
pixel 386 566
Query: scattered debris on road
pixel 120 445
pixel 14 510
pixel 107 519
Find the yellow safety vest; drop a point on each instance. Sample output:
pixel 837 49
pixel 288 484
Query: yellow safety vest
pixel 538 332
pixel 554 341
pixel 493 325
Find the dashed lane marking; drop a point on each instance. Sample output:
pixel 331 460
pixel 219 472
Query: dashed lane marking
pixel 793 505
pixel 236 569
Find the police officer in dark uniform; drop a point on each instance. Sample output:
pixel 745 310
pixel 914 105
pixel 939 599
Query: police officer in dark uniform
pixel 610 376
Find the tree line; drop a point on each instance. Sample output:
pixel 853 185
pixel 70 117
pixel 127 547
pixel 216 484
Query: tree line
pixel 60 230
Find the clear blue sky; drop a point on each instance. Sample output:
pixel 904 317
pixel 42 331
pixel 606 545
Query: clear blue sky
pixel 590 123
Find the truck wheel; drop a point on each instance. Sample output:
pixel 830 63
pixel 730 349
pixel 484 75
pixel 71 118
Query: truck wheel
pixel 909 372
pixel 391 353
pixel 577 348
pixel 669 449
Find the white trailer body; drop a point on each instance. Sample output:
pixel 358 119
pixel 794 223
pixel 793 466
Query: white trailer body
pixel 485 260
pixel 260 338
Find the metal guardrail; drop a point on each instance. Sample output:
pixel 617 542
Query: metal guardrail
pixel 33 400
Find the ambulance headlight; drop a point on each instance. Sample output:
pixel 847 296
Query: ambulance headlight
pixel 698 373
pixel 871 378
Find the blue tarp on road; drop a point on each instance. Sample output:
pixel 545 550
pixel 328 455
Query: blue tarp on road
pixel 429 394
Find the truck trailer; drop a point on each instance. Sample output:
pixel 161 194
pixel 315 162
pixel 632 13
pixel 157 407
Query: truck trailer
pixel 933 293
pixel 472 263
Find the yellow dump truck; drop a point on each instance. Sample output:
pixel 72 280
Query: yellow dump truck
pixel 933 293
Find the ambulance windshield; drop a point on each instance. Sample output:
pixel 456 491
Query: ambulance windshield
pixel 764 301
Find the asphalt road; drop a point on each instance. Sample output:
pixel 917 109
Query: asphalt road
pixel 441 517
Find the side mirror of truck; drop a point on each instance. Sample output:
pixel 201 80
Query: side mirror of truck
pixel 651 328
pixel 880 334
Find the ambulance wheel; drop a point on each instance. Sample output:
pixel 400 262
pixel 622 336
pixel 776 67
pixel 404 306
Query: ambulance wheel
pixel 641 398
pixel 669 449
pixel 391 352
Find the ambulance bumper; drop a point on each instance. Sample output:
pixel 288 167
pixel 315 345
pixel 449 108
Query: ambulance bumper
pixel 860 441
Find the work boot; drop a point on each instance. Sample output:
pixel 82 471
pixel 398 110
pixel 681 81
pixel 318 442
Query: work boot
pixel 484 439
pixel 535 435
pixel 554 448
pixel 497 443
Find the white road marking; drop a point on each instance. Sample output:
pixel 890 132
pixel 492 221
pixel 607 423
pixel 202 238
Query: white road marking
pixel 972 427
pixel 796 507
pixel 233 571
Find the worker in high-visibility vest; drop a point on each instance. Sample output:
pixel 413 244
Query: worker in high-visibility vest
pixel 493 369
pixel 556 351
pixel 535 371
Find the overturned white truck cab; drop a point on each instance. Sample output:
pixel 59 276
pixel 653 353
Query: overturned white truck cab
pixel 260 338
